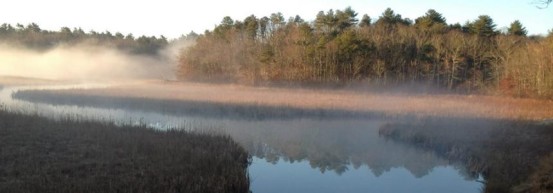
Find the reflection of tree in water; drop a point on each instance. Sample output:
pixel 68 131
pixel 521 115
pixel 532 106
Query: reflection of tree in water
pixel 332 145
pixel 504 153
pixel 318 136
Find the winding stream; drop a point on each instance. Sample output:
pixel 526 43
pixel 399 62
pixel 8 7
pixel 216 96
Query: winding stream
pixel 299 154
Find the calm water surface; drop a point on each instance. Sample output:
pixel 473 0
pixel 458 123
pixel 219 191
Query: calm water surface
pixel 299 154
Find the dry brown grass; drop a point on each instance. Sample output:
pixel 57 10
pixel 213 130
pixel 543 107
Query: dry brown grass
pixel 450 105
pixel 69 156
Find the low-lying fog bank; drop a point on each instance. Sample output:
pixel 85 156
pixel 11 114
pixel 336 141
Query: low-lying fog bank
pixel 445 105
pixel 85 61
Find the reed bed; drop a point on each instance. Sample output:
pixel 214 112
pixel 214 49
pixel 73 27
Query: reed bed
pixel 361 100
pixel 42 155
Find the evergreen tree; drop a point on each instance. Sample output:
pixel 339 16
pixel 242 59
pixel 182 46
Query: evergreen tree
pixel 388 17
pixel 432 21
pixel 483 26
pixel 334 49
pixel 516 29
pixel 251 24
pixel 346 18
pixel 365 21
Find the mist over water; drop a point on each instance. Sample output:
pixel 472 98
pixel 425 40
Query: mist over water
pixel 303 154
pixel 317 149
pixel 88 62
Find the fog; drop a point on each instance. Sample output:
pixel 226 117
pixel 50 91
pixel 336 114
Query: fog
pixel 88 62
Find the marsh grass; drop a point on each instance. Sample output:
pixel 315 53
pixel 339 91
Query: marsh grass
pixel 541 180
pixel 265 108
pixel 399 102
pixel 210 109
pixel 41 155
pixel 511 156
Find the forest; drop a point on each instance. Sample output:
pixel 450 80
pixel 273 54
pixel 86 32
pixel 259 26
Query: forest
pixel 33 37
pixel 339 48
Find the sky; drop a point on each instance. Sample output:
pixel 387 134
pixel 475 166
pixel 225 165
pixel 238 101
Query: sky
pixel 172 18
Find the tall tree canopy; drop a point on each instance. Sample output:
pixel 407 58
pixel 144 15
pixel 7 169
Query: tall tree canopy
pixel 432 20
pixel 483 26
pixel 389 17
pixel 365 21
pixel 338 48
pixel 516 29
pixel 33 37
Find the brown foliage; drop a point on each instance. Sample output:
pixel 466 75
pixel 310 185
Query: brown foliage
pixel 384 54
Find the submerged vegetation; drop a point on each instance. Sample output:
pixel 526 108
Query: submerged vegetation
pixel 511 156
pixel 339 48
pixel 40 155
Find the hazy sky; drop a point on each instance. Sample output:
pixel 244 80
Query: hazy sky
pixel 175 17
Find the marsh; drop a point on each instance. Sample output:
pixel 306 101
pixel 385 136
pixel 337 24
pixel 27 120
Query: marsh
pixel 295 147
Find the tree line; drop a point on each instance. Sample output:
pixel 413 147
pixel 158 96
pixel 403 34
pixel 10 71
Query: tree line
pixel 32 36
pixel 390 50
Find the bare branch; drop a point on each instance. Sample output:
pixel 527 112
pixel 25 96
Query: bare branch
pixel 542 4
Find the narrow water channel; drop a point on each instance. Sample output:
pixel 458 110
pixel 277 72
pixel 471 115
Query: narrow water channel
pixel 290 154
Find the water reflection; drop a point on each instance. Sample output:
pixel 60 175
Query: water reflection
pixel 331 145
pixel 511 156
pixel 335 144
pixel 201 109
pixel 299 177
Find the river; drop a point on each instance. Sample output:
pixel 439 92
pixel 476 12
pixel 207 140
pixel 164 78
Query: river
pixel 305 153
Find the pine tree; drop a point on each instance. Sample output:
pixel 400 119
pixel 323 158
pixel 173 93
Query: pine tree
pixel 432 20
pixel 516 29
pixel 365 21
pixel 483 26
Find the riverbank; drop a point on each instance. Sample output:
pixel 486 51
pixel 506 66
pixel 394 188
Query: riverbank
pixel 41 155
pixel 500 140
pixel 510 156
pixel 398 103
